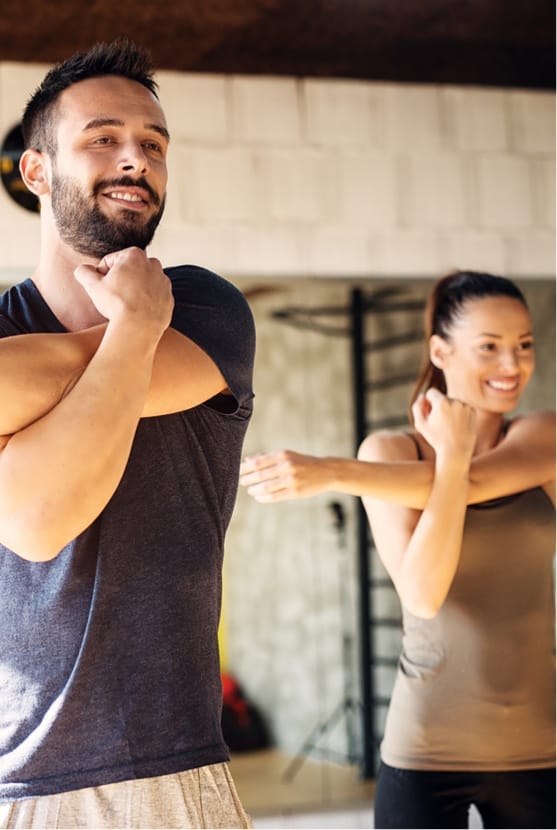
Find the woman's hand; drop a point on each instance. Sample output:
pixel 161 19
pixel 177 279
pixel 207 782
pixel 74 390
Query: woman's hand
pixel 448 425
pixel 284 474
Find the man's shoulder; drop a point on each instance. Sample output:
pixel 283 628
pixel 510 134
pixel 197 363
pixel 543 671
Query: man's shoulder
pixel 198 277
pixel 15 304
pixel 194 286
pixel 213 313
pixel 9 291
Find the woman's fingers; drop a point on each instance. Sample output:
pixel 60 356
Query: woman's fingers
pixel 282 474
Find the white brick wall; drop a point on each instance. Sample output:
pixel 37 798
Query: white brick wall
pixel 345 113
pixel 432 190
pixel 532 122
pixel 219 183
pixel 504 195
pixel 367 189
pixel 414 118
pixel 17 81
pixel 543 192
pixel 265 111
pixel 297 185
pixel 477 250
pixel 284 176
pixel 196 107
pixel 475 121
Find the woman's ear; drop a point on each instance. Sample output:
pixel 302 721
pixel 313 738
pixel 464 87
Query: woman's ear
pixel 33 169
pixel 438 351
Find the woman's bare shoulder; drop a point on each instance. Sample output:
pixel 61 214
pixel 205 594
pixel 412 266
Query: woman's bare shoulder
pixel 538 426
pixel 540 416
pixel 388 445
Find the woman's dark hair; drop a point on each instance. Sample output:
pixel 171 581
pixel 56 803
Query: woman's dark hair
pixel 120 57
pixel 445 304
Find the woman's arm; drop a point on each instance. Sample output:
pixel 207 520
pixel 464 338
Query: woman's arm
pixel 284 474
pixel 525 458
pixel 421 550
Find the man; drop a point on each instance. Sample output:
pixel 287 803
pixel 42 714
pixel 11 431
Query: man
pixel 126 392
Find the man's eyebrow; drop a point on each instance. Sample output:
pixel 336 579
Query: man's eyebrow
pixel 95 123
pixel 158 128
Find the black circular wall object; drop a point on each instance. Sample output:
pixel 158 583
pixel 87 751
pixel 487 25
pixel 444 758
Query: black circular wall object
pixel 10 153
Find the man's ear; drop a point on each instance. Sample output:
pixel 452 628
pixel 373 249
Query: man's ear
pixel 439 350
pixel 33 166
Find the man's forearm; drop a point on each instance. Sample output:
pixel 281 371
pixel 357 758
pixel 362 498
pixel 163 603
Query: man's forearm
pixel 37 370
pixel 58 473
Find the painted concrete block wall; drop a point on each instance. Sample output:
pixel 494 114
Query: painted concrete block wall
pixel 346 178
pixel 304 177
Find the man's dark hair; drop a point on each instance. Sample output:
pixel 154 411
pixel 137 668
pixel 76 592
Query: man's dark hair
pixel 120 57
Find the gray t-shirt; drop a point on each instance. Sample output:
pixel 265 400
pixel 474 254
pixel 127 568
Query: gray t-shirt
pixel 109 666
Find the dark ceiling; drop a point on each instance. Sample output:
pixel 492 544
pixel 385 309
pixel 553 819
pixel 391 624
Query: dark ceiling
pixel 487 42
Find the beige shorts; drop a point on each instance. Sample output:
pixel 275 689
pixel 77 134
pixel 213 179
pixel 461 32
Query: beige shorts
pixel 205 797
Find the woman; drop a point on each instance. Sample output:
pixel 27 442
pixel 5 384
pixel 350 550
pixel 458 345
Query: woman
pixel 462 514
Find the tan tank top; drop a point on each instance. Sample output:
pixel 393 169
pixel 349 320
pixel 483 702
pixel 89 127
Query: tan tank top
pixel 475 688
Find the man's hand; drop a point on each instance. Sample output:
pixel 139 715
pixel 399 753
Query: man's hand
pixel 58 473
pixel 129 286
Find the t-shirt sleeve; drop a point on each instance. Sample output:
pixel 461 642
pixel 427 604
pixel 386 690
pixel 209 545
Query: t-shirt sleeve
pixel 216 316
pixel 6 328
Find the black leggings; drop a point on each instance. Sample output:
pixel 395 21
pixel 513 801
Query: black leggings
pixel 416 799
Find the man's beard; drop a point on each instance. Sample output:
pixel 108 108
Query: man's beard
pixel 85 228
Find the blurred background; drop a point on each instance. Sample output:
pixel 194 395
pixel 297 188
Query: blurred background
pixel 331 158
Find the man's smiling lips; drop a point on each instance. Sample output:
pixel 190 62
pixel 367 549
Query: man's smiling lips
pixel 133 198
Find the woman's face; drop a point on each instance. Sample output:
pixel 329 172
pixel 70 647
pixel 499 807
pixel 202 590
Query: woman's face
pixel 489 356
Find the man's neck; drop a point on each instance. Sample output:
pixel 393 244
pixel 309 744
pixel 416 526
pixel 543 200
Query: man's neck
pixel 68 300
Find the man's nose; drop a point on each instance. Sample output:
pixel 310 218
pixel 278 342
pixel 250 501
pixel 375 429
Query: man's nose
pixel 133 158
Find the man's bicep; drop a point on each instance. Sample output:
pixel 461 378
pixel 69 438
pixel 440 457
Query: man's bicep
pixel 214 314
pixel 184 376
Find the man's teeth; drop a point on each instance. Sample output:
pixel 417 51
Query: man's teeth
pixel 127 197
